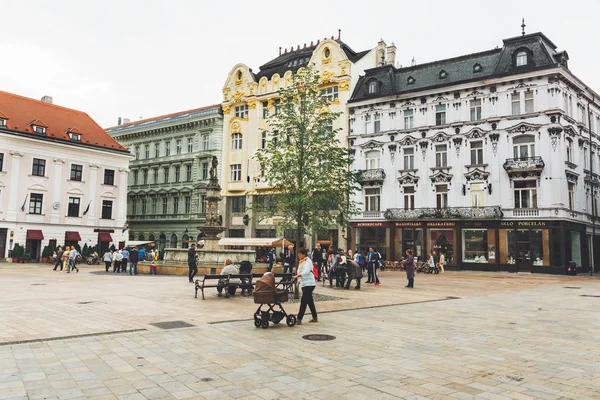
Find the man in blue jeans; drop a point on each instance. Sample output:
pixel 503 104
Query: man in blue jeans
pixel 133 261
pixel 125 261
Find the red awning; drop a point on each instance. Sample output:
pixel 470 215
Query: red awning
pixel 104 237
pixel 33 234
pixel 72 236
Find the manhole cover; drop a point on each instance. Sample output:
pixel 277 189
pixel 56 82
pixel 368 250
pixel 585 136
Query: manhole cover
pixel 38 284
pixel 318 338
pixel 572 287
pixel 172 324
pixel 588 295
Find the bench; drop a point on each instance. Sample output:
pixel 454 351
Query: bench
pixel 245 282
pixel 282 281
pixel 209 277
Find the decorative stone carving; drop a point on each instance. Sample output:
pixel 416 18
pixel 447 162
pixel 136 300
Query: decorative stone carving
pixel 423 144
pixel 392 148
pixel 407 141
pixel 572 176
pixel 457 142
pixel 554 136
pixel 440 137
pixel 477 175
pixel 441 177
pixel 344 85
pixel 524 167
pixel 326 77
pixel 523 127
pixel 408 179
pixel 371 144
pixel 476 133
pixel 494 212
pixel 494 137
pixel 372 176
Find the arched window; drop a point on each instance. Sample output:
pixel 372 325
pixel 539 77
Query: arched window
pixel 162 242
pixel 185 241
pixel 151 238
pixel 173 241
pixel 239 75
pixel 521 58
pixel 373 87
pixel 236 141
pixel 524 146
pixel 141 237
pixel 372 159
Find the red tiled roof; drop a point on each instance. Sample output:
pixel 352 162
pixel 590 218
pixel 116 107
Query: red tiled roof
pixel 2 115
pixel 163 116
pixel 73 130
pixel 21 112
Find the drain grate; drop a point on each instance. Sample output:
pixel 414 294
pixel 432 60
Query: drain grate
pixel 588 295
pixel 172 324
pixel 318 338
pixel 571 287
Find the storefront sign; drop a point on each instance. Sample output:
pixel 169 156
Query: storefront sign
pixel 368 224
pixel 417 224
pixel 523 224
pixel 441 223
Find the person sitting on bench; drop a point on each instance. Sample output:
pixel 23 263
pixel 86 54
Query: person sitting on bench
pixel 229 269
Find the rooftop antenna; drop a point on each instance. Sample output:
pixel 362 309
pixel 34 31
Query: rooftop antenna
pixel 413 62
pixel 279 50
pixel 339 34
pixel 523 27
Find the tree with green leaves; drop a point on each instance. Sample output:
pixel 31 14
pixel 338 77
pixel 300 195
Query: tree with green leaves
pixel 304 162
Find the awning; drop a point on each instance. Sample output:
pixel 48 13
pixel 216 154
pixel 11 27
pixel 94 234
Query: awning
pixel 104 237
pixel 71 236
pixel 33 234
pixel 136 243
pixel 253 242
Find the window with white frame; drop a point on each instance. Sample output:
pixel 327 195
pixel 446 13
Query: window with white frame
pixel 263 140
pixel 571 187
pixel 35 203
pixel 157 149
pixel 187 204
pixel 190 145
pixel 566 103
pixel 583 117
pixel 372 87
pixel 265 109
pixel 372 159
pixel 144 206
pixel 477 190
pixel 167 148
pixel 236 172
pixel 145 176
pixel 570 150
pixel 586 160
pixel 330 93
pixel 529 102
pixel 241 111
pixel 166 175
pixel 525 193
pixel 372 199
pixel 178 146
pixel 177 173
pixel 134 206
pixel 165 205
pixel 368 125
pixel 441 155
pixel 153 205
pixel 203 204
pixel 135 177
pixel 476 110
pixel 175 205
pixel 409 121
pixel 521 59
pixel 188 172
pixel 137 152
pixel 236 141
pixel 440 115
pixel 147 151
pixel 524 146
pixel 515 99
pixel 409 157
pixel 477 152
pixel 409 197
pixel 441 196
pixel 204 170
pixel 205 142
pixel 154 175
pixel 377 123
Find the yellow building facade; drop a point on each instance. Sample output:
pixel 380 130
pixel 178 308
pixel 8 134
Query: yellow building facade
pixel 249 98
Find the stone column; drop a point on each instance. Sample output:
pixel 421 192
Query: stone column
pixel 122 199
pixel 57 192
pixel 92 187
pixel 11 213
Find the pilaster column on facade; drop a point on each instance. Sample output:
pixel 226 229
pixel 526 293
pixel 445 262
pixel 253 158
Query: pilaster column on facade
pixel 91 215
pixel 57 192
pixel 11 213
pixel 121 203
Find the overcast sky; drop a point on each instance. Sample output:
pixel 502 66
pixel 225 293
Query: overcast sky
pixel 144 58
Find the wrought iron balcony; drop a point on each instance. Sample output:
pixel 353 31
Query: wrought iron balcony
pixel 373 176
pixel 444 213
pixel 526 165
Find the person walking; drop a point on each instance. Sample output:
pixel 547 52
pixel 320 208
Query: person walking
pixel 409 267
pixel 65 259
pixel 441 263
pixel 134 257
pixel 307 283
pixel 271 258
pixel 341 270
pixel 73 254
pixel 372 264
pixel 125 260
pixel 107 257
pixel 354 272
pixel 117 260
pixel 431 262
pixel 59 259
pixel 317 258
pixel 289 261
pixel 192 262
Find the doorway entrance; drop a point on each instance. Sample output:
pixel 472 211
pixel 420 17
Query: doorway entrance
pixel 3 243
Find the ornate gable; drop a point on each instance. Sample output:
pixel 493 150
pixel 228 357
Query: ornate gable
pixel 477 175
pixel 371 144
pixel 441 177
pixel 523 127
pixel 440 137
pixel 476 133
pixel 408 179
pixel 407 141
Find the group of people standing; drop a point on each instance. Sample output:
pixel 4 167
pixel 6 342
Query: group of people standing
pixel 120 259
pixel 66 259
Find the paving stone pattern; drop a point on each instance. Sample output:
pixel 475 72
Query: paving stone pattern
pixel 505 337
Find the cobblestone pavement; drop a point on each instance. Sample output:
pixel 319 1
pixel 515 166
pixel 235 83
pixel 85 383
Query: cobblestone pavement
pixel 504 337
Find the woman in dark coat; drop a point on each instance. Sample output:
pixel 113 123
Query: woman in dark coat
pixel 354 272
pixel 409 267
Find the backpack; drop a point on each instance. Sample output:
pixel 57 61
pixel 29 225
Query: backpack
pixel 315 271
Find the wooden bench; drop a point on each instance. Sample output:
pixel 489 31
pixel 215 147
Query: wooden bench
pixel 210 277
pixel 282 281
pixel 245 282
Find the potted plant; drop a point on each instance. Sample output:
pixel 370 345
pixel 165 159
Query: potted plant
pixel 47 253
pixel 25 258
pixel 17 252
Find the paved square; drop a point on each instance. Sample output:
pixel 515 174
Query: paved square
pixel 455 336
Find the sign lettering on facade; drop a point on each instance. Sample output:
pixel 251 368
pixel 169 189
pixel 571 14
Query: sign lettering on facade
pixel 523 223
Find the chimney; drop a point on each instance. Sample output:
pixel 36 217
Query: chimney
pixel 390 58
pixel 47 99
pixel 119 122
pixel 126 121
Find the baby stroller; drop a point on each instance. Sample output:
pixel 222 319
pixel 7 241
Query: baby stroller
pixel 422 268
pixel 266 294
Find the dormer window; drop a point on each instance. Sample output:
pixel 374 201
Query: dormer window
pixel 39 129
pixel 443 74
pixel 521 58
pixel 239 75
pixel 76 137
pixel 2 122
pixel 38 126
pixel 410 80
pixel 477 68
pixel 373 87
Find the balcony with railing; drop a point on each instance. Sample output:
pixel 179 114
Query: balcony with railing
pixel 372 176
pixel 527 165
pixel 444 213
pixel 372 214
pixel 525 212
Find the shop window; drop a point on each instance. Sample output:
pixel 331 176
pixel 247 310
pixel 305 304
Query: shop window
pixel 442 241
pixel 576 247
pixel 372 159
pixel 409 197
pixel 372 199
pixel 524 146
pixel 525 194
pixel 571 187
pixel 412 239
pixel 441 196
pixel 477 153
pixel 475 245
pixel 409 158
pixel 441 155
pixel 409 121
pixel 477 190
pixel 476 110
pixel 525 247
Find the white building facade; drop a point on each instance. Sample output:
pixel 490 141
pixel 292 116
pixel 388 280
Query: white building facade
pixel 63 180
pixel 483 157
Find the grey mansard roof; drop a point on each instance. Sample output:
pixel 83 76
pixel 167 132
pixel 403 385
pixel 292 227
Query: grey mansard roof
pixel 494 63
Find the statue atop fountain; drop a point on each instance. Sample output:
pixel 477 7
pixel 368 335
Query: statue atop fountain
pixel 213 226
